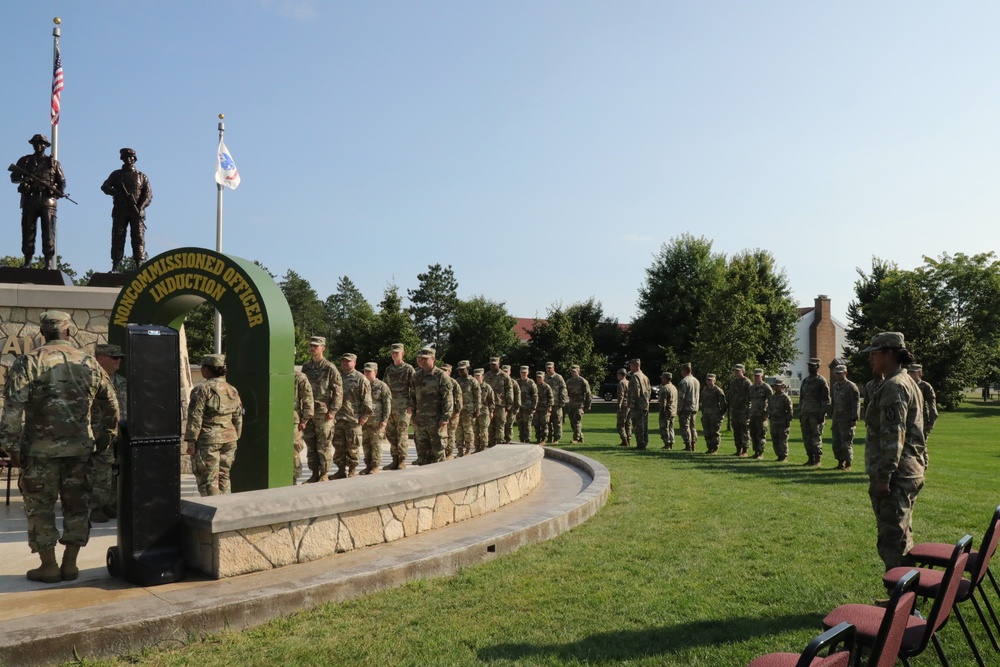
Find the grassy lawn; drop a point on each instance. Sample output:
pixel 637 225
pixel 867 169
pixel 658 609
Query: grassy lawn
pixel 696 560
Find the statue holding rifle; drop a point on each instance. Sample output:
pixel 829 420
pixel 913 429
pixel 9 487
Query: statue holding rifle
pixel 41 182
pixel 131 192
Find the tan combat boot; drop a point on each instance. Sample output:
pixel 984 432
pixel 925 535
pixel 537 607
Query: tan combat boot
pixel 49 572
pixel 69 569
pixel 351 471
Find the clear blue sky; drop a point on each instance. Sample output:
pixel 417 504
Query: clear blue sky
pixel 544 149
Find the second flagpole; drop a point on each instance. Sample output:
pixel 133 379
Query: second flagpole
pixel 218 240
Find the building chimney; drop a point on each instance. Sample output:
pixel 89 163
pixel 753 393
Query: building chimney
pixel 823 335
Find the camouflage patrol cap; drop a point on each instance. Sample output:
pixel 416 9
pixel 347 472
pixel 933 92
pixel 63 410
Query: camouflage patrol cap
pixel 636 361
pixel 915 368
pixel 348 356
pixel 371 366
pixel 494 360
pixel 317 340
pixel 550 364
pixel 575 367
pixel 39 139
pixel 427 352
pixel 53 320
pixel 124 152
pixel 779 383
pixel 621 371
pixel 813 362
pixel 464 363
pixel 667 375
pixel 758 371
pixel 839 368
pixel 477 372
pixel 539 374
pixel 214 360
pixel 446 367
pixel 505 368
pixel 525 369
pixel 710 376
pixel 397 347
pixel 739 367
pixel 880 341
pixel 109 350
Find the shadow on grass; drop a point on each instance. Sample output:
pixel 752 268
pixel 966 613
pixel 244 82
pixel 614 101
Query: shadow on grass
pixel 636 644
pixel 979 410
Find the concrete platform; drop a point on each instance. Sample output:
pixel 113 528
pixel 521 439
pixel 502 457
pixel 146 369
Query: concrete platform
pixel 42 624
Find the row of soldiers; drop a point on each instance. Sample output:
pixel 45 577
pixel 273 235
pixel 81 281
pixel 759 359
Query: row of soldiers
pixel 341 413
pixel 752 407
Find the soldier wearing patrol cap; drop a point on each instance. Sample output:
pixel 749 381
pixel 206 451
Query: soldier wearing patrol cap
pixel 354 413
pixel 779 413
pixel 760 391
pixel 515 407
pixel 713 410
pixel 40 191
pixel 668 409
pixel 302 414
pixel 543 410
pixel 895 451
pixel 328 395
pixel 103 491
pixel 559 400
pixel 504 392
pixel 432 410
pixel 916 372
pixel 48 431
pixel 215 423
pixel 131 194
pixel 623 420
pixel 472 401
pixel 845 410
pixel 486 410
pixel 399 376
pixel 688 395
pixel 451 437
pixel 639 395
pixel 373 432
pixel 529 401
pixel 578 392
pixel 739 409
pixel 814 402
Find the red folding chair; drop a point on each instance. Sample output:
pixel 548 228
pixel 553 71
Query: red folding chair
pixel 839 641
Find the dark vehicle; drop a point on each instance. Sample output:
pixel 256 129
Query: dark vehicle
pixel 609 391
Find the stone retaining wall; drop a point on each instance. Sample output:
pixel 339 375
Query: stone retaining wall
pixel 225 536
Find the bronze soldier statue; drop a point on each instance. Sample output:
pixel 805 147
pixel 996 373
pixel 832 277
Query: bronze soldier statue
pixel 131 192
pixel 41 183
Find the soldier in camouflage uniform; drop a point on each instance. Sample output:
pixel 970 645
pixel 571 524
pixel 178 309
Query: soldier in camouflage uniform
pixel 559 399
pixel 845 410
pixel 739 409
pixel 328 394
pixel 779 412
pixel 515 407
pixel 579 397
pixel 456 411
pixel 501 384
pixel 355 411
pixel 472 402
pixel 486 407
pixel 543 410
pixel 399 377
pixel 668 409
pixel 688 395
pixel 47 431
pixel 814 402
pixel 302 414
pixel 639 393
pixel 373 431
pixel 103 490
pixel 713 411
pixel 760 391
pixel 624 419
pixel 529 401
pixel 215 424
pixel 433 409
pixel 930 399
pixel 894 446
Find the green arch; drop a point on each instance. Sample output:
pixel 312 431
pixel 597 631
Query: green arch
pixel 260 343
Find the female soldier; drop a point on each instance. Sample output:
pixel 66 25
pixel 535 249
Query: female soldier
pixel 215 422
pixel 894 446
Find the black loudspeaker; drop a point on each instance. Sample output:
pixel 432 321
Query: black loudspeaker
pixel 149 459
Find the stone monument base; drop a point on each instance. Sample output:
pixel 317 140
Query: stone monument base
pixel 15 276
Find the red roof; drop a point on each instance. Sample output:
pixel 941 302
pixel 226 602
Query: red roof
pixel 523 326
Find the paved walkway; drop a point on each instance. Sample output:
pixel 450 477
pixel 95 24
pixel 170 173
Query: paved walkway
pixel 96 615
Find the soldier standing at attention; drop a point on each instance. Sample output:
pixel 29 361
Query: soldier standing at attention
pixel 456 411
pixel 328 395
pixel 529 402
pixel 103 490
pixel 578 393
pixel 515 407
pixel 504 393
pixel 713 411
pixel 215 424
pixel 131 194
pixel 373 431
pixel 639 392
pixel 472 401
pixel 302 414
pixel 40 191
pixel 47 431
pixel 486 407
pixel 845 410
pixel 668 409
pixel 930 399
pixel 432 410
pixel 814 402
pixel 688 393
pixel 760 391
pixel 559 399
pixel 739 409
pixel 624 419
pixel 355 411
pixel 779 411
pixel 894 446
pixel 399 377
pixel 543 411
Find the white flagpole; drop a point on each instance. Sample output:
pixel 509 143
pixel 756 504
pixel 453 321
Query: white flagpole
pixel 218 238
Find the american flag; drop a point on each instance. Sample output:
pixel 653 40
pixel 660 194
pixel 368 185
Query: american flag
pixel 57 86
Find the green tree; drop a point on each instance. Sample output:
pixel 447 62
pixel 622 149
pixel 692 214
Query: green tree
pixel 480 328
pixel 566 337
pixel 308 314
pixel 199 327
pixel 393 325
pixel 434 303
pixel 679 284
pixel 351 323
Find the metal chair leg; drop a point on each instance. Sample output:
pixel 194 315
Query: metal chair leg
pixel 940 651
pixel 968 636
pixel 982 616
